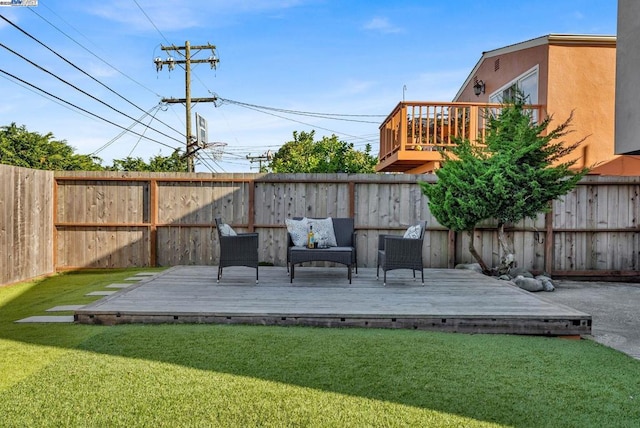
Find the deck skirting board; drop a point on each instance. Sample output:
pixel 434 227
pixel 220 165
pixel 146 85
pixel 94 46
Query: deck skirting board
pixel 511 325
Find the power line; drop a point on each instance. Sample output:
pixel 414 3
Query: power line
pixel 42 95
pixel 152 23
pixel 332 116
pixel 80 108
pixel 80 90
pixel 77 68
pixel 65 21
pixel 362 140
pixel 113 140
pixel 298 121
pixel 91 52
pixel 143 132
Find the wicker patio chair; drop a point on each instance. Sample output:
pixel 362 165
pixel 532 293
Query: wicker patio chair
pixel 237 250
pixel 397 252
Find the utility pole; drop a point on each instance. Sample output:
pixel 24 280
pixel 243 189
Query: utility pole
pixel 187 61
pixel 262 158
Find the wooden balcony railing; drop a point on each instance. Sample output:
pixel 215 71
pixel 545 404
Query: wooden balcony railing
pixel 413 135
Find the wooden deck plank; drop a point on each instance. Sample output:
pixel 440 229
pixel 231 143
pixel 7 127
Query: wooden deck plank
pixel 451 300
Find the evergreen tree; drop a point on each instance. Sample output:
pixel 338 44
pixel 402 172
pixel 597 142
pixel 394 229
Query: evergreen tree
pixel 514 175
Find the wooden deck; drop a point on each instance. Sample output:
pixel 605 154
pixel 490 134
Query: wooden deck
pixel 451 300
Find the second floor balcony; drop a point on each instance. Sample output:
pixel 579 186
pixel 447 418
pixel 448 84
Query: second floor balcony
pixel 414 134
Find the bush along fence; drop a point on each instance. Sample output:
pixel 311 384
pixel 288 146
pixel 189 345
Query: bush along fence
pixel 113 220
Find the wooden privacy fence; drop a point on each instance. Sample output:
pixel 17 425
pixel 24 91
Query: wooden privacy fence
pixel 26 224
pixel 101 219
pixel 167 219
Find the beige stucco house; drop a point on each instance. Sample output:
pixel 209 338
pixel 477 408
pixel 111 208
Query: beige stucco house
pixel 559 73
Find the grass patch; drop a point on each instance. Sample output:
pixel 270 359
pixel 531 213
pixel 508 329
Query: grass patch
pixel 212 375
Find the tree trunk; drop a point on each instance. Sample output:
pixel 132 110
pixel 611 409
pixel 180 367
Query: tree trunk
pixel 507 261
pixel 474 253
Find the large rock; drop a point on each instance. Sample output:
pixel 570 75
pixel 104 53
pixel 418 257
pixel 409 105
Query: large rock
pixel 547 284
pixel 529 284
pixel 470 266
pixel 520 272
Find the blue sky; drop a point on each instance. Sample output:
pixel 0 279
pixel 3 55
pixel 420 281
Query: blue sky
pixel 348 58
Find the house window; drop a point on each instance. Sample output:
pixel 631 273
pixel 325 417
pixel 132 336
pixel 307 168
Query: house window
pixel 508 94
pixel 527 83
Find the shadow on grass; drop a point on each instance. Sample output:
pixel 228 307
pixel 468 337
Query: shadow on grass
pixel 513 380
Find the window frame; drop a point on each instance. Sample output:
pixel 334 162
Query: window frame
pixel 497 96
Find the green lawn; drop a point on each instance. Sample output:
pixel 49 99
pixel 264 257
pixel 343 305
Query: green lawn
pixel 207 375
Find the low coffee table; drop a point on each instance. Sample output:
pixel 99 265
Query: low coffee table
pixel 342 255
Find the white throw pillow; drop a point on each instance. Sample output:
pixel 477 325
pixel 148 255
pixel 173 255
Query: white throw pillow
pixel 226 230
pixel 413 232
pixel 298 230
pixel 323 231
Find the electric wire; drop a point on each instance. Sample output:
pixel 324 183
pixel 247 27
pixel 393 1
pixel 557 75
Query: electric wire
pixel 332 116
pixel 48 98
pixel 143 132
pixel 31 9
pixel 149 19
pixel 204 160
pixel 41 3
pixel 77 68
pixel 80 108
pixel 80 90
pixel 113 140
pixel 298 121
pixel 198 155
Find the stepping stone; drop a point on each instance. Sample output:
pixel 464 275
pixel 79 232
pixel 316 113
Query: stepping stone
pixel 135 278
pixel 146 274
pixel 63 308
pixel 48 318
pixel 101 293
pixel 116 285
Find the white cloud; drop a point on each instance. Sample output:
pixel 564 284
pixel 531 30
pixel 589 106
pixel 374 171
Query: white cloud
pixel 382 25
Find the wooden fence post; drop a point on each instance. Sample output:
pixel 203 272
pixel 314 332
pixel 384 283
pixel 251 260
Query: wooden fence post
pixel 451 256
pixel 251 215
pixel 548 242
pixel 153 227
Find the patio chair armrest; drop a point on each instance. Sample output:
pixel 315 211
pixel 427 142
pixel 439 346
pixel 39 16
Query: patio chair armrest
pixel 244 239
pixel 381 239
pixel 247 234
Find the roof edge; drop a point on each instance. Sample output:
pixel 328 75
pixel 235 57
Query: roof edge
pixel 549 39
